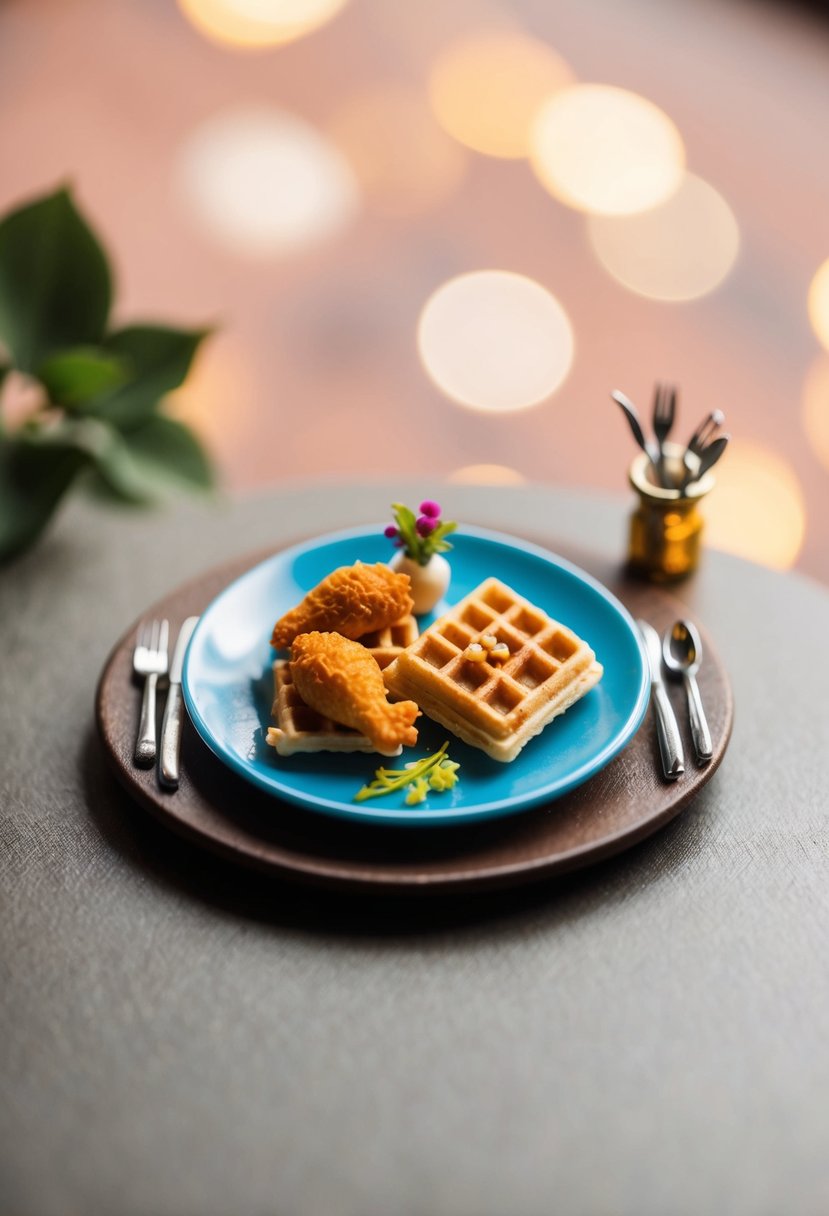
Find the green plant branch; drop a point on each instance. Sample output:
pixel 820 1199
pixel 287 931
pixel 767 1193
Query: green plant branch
pixel 103 389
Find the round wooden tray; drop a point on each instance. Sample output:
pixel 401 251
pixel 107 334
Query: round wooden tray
pixel 625 802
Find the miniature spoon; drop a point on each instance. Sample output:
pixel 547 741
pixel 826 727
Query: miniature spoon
pixel 629 410
pixel 682 655
pixel 708 457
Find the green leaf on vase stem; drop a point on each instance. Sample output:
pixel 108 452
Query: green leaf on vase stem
pixel 437 541
pixel 73 377
pixel 157 359
pixel 55 282
pixel 407 524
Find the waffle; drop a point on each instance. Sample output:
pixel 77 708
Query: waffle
pixel 495 706
pixel 301 729
pixel 386 644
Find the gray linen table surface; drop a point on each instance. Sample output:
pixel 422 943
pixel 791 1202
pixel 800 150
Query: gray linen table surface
pixel 180 1035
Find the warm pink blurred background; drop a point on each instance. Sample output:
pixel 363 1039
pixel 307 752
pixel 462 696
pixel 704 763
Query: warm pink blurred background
pixel 310 197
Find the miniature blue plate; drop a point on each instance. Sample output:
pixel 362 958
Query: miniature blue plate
pixel 228 685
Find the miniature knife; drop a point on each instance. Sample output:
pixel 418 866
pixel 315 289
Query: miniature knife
pixel 667 731
pixel 168 764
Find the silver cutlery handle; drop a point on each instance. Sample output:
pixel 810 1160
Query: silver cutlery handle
pixel 667 731
pixel 145 746
pixel 700 733
pixel 168 771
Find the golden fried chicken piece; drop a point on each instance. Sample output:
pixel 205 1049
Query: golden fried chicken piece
pixel 353 600
pixel 340 679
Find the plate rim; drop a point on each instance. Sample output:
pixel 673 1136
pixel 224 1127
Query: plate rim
pixel 404 816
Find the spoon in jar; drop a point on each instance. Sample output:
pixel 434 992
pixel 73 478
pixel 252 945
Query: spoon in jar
pixel 629 410
pixel 707 458
pixel 682 655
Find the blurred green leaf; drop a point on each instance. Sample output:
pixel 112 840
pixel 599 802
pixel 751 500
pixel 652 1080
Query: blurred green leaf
pixel 158 358
pixel 34 476
pixel 155 459
pixel 4 371
pixel 100 409
pixel 74 377
pixel 55 284
pixel 117 476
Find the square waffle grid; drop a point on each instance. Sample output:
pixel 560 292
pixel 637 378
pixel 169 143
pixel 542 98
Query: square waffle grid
pixel 386 644
pixel 549 667
pixel 302 729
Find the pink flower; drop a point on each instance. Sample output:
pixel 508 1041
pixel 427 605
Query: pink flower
pixel 425 526
pixel 390 531
pixel 431 510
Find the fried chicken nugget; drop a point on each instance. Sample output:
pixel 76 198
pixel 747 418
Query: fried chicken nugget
pixel 352 600
pixel 340 679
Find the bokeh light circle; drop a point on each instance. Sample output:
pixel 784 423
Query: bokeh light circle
pixel 605 150
pixel 495 341
pixel 487 475
pixel 263 182
pixel 251 24
pixel 819 304
pixel 486 89
pixel 679 250
pixel 405 163
pixel 757 508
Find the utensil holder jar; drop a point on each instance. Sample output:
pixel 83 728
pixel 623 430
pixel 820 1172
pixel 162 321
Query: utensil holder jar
pixel 666 526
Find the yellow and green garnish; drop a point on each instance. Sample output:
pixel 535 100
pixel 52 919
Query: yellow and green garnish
pixel 419 778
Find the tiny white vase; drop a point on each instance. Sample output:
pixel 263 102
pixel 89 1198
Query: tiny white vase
pixel 429 583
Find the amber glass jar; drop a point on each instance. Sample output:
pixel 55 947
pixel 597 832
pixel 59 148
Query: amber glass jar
pixel 666 527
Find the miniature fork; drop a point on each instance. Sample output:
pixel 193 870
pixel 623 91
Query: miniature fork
pixel 149 661
pixel 705 431
pixel 664 411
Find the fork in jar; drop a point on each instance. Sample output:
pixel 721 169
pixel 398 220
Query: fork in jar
pixel 149 661
pixel 664 412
